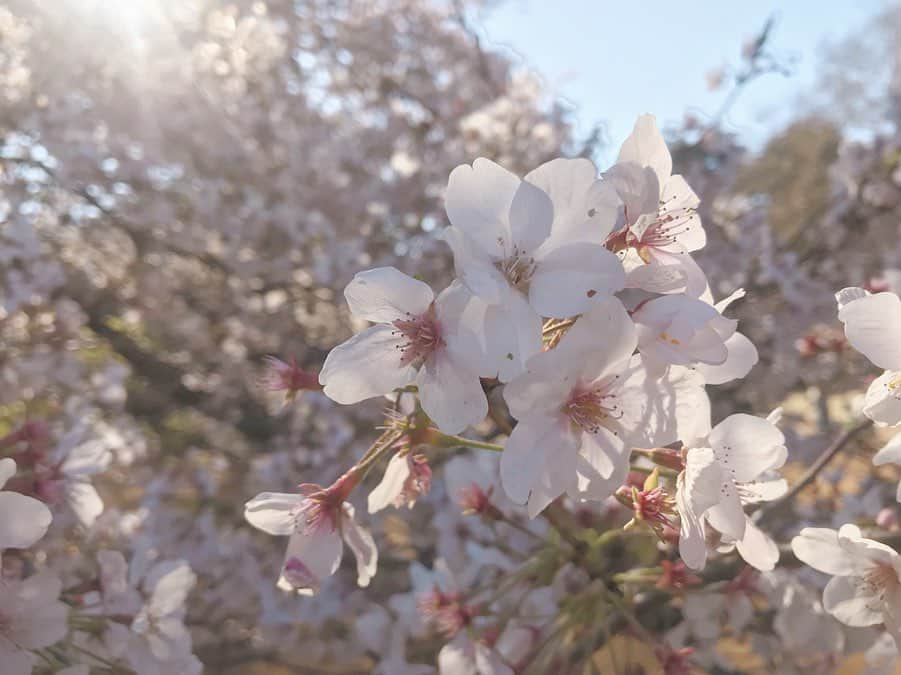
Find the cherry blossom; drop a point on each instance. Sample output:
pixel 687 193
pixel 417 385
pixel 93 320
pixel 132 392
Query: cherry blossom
pixel 25 519
pixel 865 589
pixel 721 475
pixel 873 327
pixel 661 225
pixel 318 523
pixel 419 339
pixel 530 247
pixel 581 407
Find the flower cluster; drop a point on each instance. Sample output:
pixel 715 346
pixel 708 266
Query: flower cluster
pixel 580 328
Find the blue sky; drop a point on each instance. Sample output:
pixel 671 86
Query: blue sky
pixel 613 60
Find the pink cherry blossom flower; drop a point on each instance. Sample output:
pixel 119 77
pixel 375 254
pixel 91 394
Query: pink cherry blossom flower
pixel 318 523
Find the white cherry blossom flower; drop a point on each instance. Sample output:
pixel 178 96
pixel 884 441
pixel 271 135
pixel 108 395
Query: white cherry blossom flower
pixel 318 523
pixel 661 224
pixel 531 247
pixel 24 519
pixel 417 339
pixel 873 327
pixel 720 476
pixel 31 617
pixel 865 589
pixel 582 406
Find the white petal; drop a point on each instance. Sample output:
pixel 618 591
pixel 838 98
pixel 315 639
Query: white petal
pixel 746 446
pixel 84 501
pixel 639 189
pixel 450 393
pixel 603 465
pixel 475 268
pixel 360 541
pixel 365 366
pixel 272 512
pixel 657 278
pixel 742 356
pixel 457 657
pixel 544 387
pixel 850 294
pixel 850 600
pixel 171 581
pixel 645 146
pixel 680 201
pixel 24 521
pixel 512 334
pixel 695 280
pixel 585 208
pixel 819 548
pixel 531 215
pixel 763 491
pixel 873 327
pixel 525 453
pixel 478 201
pixel 697 490
pixel 757 548
pixel 319 554
pixel 727 515
pixel 605 332
pixel 570 279
pixel 489 662
pixel 890 452
pixel 7 470
pixel 385 294
pixel 882 403
pixel 391 485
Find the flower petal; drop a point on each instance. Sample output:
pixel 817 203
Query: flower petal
pixel 696 491
pixel 365 366
pixel 727 515
pixel 873 327
pixel 272 512
pixel 84 501
pixel 309 560
pixel 450 393
pixel 645 146
pixel 385 294
pixel 819 548
pixel 391 485
pixel 741 357
pixel 25 520
pixel 531 215
pixel 570 279
pixel 890 452
pixel 478 201
pixel 882 403
pixel 851 601
pixel 525 453
pixel 757 548
pixel 585 208
pixel 746 446
pixel 360 541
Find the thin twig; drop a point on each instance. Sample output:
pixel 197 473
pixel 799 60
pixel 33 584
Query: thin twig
pixel 825 457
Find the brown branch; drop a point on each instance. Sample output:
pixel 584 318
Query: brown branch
pixel 821 462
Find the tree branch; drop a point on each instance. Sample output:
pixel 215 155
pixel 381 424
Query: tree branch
pixel 825 457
